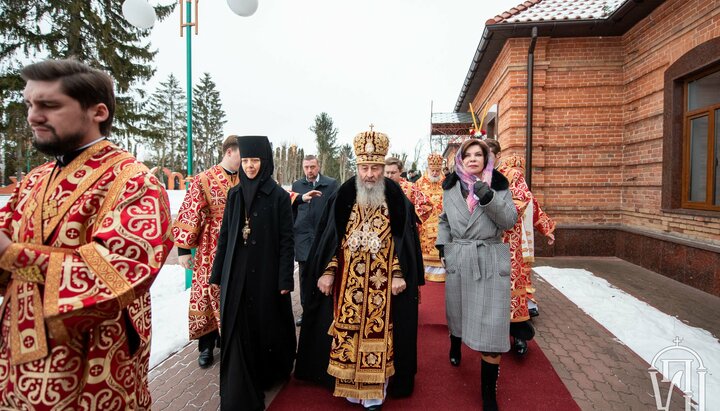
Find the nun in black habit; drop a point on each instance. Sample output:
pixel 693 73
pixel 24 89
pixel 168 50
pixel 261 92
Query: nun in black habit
pixel 254 268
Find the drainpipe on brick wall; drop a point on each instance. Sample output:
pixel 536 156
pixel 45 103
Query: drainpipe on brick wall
pixel 528 132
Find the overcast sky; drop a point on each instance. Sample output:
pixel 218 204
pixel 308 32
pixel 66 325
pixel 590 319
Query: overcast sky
pixel 362 62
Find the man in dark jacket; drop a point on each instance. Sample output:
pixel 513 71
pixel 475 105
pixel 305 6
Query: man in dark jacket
pixel 365 259
pixel 313 191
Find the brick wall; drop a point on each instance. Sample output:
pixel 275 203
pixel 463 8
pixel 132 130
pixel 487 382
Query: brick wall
pixel 598 122
pixel 597 135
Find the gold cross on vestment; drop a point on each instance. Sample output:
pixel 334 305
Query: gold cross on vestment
pixel 49 209
pixel 371 126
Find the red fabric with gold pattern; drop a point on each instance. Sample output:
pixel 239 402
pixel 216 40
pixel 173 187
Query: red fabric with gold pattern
pixel 198 226
pixel 429 228
pixel 88 241
pixel 520 275
pixel 422 203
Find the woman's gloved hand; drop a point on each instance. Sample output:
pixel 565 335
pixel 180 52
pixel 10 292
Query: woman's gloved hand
pixel 483 192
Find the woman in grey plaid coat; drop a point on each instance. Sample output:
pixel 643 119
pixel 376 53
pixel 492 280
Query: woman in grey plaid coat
pixel 477 209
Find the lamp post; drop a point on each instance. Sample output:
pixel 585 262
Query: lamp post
pixel 141 14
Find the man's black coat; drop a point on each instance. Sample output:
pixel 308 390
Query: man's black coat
pixel 314 347
pixel 307 215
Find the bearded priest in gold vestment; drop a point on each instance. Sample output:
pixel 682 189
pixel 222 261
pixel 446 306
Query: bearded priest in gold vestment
pixel 431 185
pixel 360 325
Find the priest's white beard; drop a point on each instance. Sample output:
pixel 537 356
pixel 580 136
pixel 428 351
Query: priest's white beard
pixel 434 179
pixel 370 196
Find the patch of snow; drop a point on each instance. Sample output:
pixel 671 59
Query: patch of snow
pixel 170 301
pixel 636 324
pixel 176 198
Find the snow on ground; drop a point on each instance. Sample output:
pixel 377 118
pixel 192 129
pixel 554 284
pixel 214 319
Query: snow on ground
pixel 170 302
pixel 641 327
pixel 176 198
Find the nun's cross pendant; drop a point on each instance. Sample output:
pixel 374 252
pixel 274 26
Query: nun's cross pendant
pixel 246 231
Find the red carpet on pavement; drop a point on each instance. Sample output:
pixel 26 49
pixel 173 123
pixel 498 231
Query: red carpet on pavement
pixel 527 383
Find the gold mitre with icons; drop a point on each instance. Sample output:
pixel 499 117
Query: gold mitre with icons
pixel 435 161
pixel 371 147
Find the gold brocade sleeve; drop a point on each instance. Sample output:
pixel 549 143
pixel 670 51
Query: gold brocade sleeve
pixel 542 221
pixel 396 270
pixel 86 286
pixel 332 267
pixel 191 216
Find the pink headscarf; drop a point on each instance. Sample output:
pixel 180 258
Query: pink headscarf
pixel 469 179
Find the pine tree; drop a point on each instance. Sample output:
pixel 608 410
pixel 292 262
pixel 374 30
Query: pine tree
pixel 326 137
pixel 18 155
pixel 346 162
pixel 167 114
pixel 93 31
pixel 208 122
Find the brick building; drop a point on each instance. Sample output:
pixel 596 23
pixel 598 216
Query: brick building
pixel 625 131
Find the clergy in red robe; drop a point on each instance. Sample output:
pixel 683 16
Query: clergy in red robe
pixel 198 226
pixel 431 185
pixel 421 202
pixel 81 241
pixel 521 240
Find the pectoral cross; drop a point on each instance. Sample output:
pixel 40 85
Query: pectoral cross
pixel 246 230
pixel 49 209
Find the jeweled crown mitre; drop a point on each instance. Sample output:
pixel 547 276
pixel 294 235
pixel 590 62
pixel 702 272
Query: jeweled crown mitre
pixel 435 161
pixel 371 147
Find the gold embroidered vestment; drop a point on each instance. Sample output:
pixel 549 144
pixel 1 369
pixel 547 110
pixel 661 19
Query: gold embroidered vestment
pixel 361 354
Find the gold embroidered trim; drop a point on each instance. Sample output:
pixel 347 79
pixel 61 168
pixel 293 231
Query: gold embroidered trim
pixel 81 189
pixel 332 267
pixel 187 227
pixel 20 352
pixel 205 185
pixel 117 187
pixel 100 267
pixel 11 254
pixel 33 212
pixel 436 278
pixel 51 307
pixel 363 394
pixel 31 274
pixel 373 346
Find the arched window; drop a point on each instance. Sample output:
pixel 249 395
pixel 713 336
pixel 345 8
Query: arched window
pixel 691 132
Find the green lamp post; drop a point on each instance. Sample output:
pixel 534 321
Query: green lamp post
pixel 141 14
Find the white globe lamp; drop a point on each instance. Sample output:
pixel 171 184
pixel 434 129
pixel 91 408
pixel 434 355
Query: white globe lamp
pixel 139 13
pixel 244 8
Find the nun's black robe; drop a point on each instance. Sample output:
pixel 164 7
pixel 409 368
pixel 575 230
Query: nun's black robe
pixel 257 327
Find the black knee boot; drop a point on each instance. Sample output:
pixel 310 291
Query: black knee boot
pixel 455 351
pixel 489 374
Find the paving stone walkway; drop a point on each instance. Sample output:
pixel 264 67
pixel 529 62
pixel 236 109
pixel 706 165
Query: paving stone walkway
pixel 600 372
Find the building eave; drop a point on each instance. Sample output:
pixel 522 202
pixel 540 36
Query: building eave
pixel 495 36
